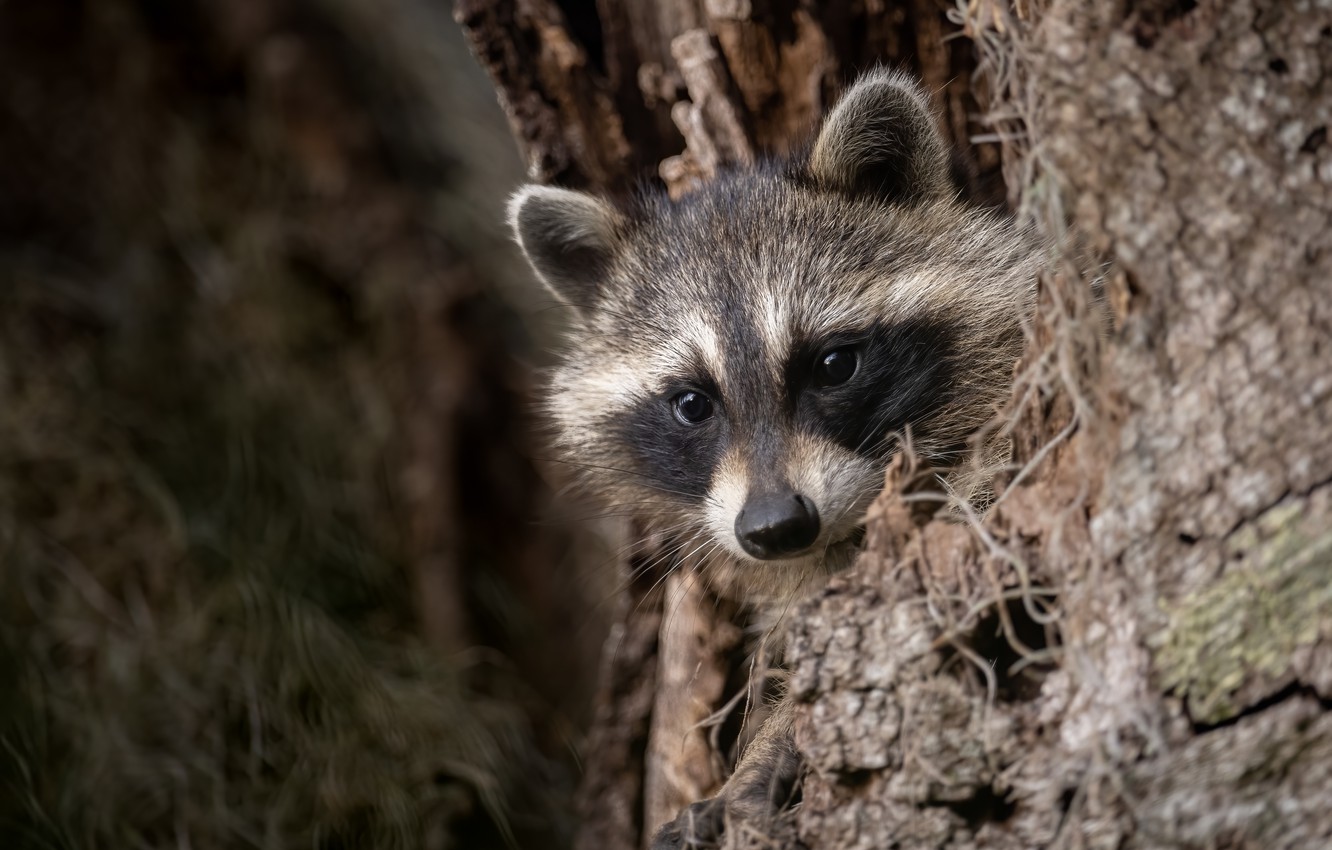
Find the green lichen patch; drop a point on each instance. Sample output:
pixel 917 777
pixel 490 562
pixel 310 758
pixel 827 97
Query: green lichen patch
pixel 1244 629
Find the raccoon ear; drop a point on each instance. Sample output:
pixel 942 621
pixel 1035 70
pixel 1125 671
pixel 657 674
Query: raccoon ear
pixel 570 238
pixel 882 139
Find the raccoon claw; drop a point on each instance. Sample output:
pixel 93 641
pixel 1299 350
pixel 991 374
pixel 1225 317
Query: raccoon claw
pixel 769 792
pixel 698 826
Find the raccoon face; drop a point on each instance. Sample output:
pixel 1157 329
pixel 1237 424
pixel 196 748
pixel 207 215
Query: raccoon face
pixel 745 361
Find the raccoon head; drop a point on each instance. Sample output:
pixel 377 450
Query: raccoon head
pixel 745 361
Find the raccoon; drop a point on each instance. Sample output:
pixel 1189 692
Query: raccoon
pixel 744 362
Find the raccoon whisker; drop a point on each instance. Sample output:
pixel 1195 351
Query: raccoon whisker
pixel 648 568
pixel 629 472
pixel 868 490
pixel 916 413
pixel 706 542
pixel 637 607
pixel 705 569
pixel 611 511
pixel 667 553
pixel 669 549
pixel 675 566
pixel 635 571
pixel 619 556
pixel 873 429
pixel 778 622
pixel 623 509
pixel 695 576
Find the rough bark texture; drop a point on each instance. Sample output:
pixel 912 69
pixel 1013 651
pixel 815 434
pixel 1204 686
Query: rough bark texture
pixel 1132 649
pixel 602 95
pixel 1177 542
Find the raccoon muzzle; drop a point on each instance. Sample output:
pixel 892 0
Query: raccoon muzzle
pixel 776 524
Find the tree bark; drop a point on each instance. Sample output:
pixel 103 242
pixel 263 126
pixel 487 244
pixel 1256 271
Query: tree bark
pixel 1133 647
pixel 601 95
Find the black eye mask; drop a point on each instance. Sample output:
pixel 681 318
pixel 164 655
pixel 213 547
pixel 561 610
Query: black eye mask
pixel 901 374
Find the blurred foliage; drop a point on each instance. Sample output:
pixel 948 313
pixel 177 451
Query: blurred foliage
pixel 205 623
pixel 207 637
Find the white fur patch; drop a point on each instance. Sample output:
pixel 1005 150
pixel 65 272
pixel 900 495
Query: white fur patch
pixel 775 327
pixel 694 342
pixel 840 483
pixel 582 216
pixel 611 387
pixel 703 337
pixel 726 498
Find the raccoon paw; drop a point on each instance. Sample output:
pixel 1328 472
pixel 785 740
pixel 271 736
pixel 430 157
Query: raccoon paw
pixel 698 826
pixel 758 799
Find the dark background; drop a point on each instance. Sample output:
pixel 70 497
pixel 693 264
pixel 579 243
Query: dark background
pixel 281 561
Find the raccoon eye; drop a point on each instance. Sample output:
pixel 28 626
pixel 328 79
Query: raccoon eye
pixel 836 367
pixel 692 407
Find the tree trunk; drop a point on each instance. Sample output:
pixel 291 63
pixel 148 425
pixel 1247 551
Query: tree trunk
pixel 1133 647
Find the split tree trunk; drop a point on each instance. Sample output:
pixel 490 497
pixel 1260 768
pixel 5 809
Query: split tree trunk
pixel 1134 647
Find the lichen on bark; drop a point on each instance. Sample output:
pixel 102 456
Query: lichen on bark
pixel 1244 635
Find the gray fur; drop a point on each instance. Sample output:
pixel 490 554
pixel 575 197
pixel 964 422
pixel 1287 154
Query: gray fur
pixel 736 292
pixel 881 137
pixel 722 286
pixel 570 238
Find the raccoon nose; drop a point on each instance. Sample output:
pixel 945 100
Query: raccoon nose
pixel 772 525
